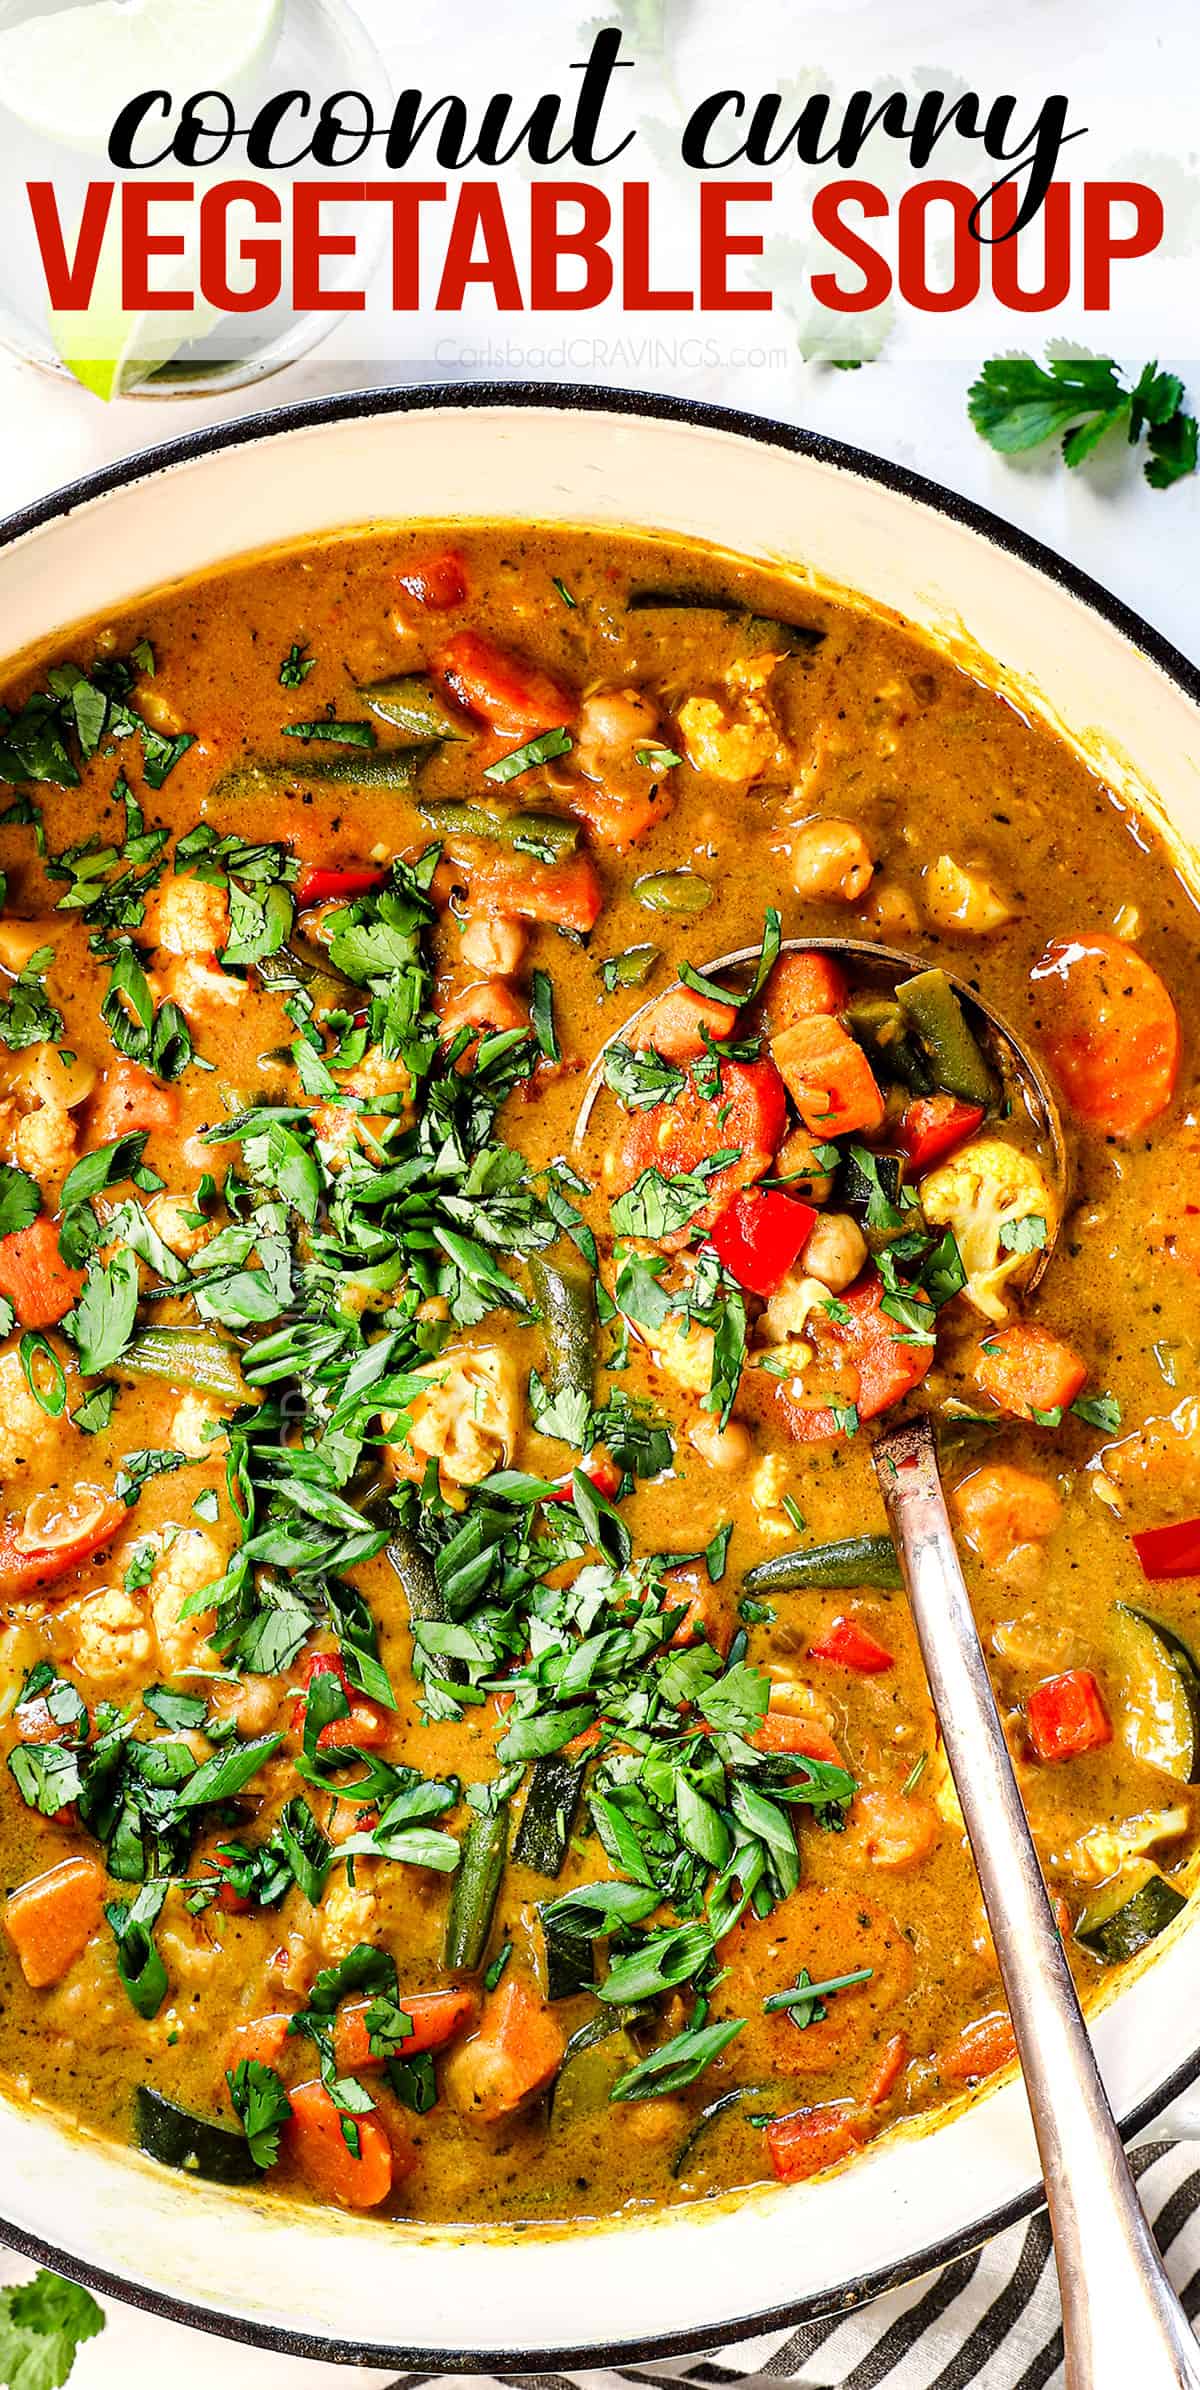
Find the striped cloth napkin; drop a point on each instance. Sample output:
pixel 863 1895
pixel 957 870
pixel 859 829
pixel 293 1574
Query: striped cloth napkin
pixel 990 2321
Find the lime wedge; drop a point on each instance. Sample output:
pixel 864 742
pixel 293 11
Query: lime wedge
pixel 110 348
pixel 66 76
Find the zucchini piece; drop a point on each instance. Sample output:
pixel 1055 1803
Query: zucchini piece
pixel 565 1294
pixel 570 1959
pixel 201 1358
pixel 594 2061
pixel 549 1813
pixel 701 2125
pixel 761 630
pixel 411 704
pixel 1164 1694
pixel 476 1885
pixel 673 892
pixel 172 2136
pixel 855 1560
pixel 418 1583
pixel 1128 1912
pixel 882 1031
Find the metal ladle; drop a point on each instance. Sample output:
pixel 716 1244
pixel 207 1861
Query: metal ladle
pixel 1122 2321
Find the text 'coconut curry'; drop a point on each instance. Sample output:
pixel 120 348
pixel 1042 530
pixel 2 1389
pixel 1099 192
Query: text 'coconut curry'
pixel 466 1753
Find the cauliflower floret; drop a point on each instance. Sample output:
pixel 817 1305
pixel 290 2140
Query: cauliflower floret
pixel 195 1414
pixel 113 1641
pixel 348 1914
pixel 186 917
pixel 982 1192
pixel 962 900
pixel 198 985
pixel 196 1557
pixel 28 1436
pixel 469 1418
pixel 735 747
pixel 1107 1849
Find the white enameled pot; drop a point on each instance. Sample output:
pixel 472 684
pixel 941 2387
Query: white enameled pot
pixel 317 2283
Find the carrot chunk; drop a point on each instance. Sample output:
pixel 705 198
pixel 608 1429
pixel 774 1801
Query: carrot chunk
pixel 891 1829
pixel 828 1077
pixel 982 2048
pixel 799 986
pixel 52 1919
pixel 318 2148
pixel 893 2059
pixel 1111 1031
pixel 747 1119
pixel 1029 1371
pixel 1066 1715
pixel 513 695
pixel 677 1024
pixel 437 2018
pixel 782 1730
pixel 813 2138
pixel 1002 1508
pixel 565 895
pixel 515 2053
pixel 438 582
pixel 263 2039
pixel 130 1099
pixel 35 1277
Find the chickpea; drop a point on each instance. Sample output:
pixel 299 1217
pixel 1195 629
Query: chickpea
pixel 493 943
pixel 727 1448
pixel 836 1251
pixel 831 858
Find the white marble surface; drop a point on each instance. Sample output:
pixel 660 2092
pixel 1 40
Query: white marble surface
pixel 1141 543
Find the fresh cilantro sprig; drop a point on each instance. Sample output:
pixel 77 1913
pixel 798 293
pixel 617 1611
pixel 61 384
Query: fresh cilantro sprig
pixel 1016 404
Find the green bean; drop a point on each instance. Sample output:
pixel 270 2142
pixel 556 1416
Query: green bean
pixel 855 1560
pixel 476 1885
pixel 759 630
pixel 566 1298
pixel 197 1357
pixel 393 768
pixel 673 892
pixel 412 704
pixel 954 1056
pixel 299 965
pixel 631 969
pixel 527 832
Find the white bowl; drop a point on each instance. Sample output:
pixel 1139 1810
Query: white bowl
pixel 314 2283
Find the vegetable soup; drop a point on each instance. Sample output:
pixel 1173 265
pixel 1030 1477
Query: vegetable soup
pixel 466 1751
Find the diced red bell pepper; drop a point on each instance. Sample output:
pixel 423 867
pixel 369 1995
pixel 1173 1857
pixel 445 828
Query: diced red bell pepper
pixel 321 883
pixel 849 1646
pixel 365 1725
pixel 514 696
pixel 760 1236
pixel 1172 1551
pixel 600 1471
pixel 436 581
pixel 29 1567
pixel 1066 1715
pixel 801 2144
pixel 933 1125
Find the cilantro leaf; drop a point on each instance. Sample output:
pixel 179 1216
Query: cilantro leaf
pixel 43 2324
pixel 20 1199
pixel 262 2107
pixel 1016 404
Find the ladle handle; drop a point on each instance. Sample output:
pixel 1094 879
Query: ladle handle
pixel 1122 2322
